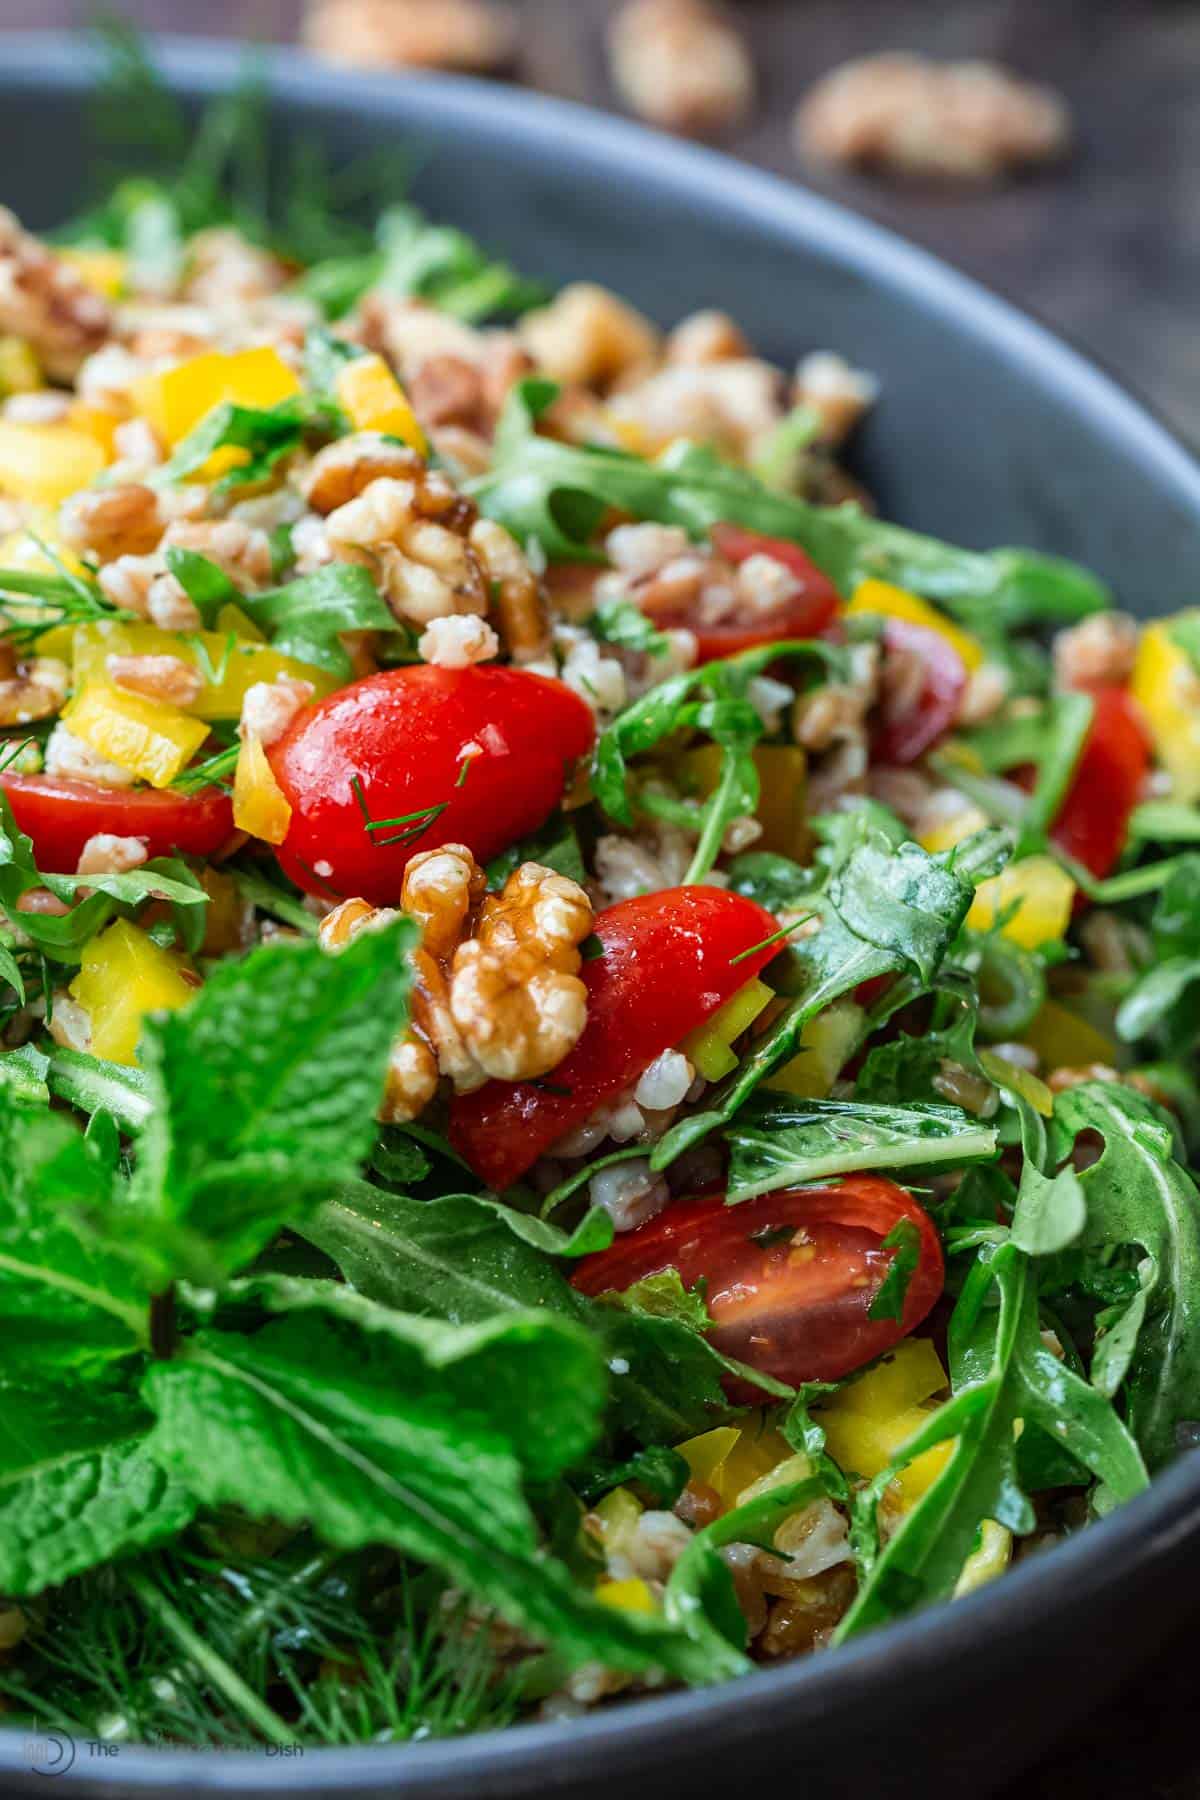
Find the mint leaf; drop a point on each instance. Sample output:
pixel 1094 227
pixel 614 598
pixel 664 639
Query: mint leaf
pixel 67 1301
pixel 263 1093
pixel 77 1487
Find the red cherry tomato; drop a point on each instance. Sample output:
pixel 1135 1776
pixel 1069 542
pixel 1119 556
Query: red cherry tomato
pixel 417 757
pixel 806 614
pixel 60 816
pixel 903 735
pixel 1094 818
pixel 667 966
pixel 790 1277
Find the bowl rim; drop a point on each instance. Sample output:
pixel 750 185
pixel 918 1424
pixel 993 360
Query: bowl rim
pixel 648 1729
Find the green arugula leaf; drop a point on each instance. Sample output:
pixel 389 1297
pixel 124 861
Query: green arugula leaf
pixel 305 617
pixel 77 1487
pixel 68 1301
pixel 774 881
pixel 904 1240
pixel 776 1143
pixel 268 435
pixel 1052 739
pixel 1137 1193
pixel 263 1094
pixel 558 494
pixel 1001 1374
pixel 429 262
pixel 555 845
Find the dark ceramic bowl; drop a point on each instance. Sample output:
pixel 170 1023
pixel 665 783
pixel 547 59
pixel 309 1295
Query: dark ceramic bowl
pixel 989 431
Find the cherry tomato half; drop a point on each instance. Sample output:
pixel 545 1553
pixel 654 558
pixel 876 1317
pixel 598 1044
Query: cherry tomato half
pixel 421 756
pixel 790 1277
pixel 808 612
pixel 1094 818
pixel 667 965
pixel 906 733
pixel 60 816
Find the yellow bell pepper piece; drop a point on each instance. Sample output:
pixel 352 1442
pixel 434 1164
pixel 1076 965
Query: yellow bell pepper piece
pixel 235 665
pixel 104 271
pixel 705 1455
pixel 868 1421
pixel 708 1047
pixel 45 463
pixel 910 1373
pixel 991 1559
pixel 782 784
pixel 98 423
pixel 1166 687
pixel 1042 894
pixel 792 1468
pixel 824 1045
pixel 1063 1039
pixel 948 832
pixel 225 914
pixel 152 740
pixel 627 1596
pixel 617 1516
pixel 232 618
pixel 373 400
pixel 259 806
pixel 20 372
pixel 896 603
pixel 124 975
pixel 175 401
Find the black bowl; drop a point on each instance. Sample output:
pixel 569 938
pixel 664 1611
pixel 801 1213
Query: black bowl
pixel 990 431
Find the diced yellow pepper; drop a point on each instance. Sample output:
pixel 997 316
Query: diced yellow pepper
pixel 824 1044
pixel 910 1373
pixel 152 740
pixel 98 423
pixel 175 400
pixel 19 369
pixel 232 618
pixel 705 1455
pixel 45 463
pixel 224 915
pixel 236 665
pixel 782 784
pixel 1043 894
pixel 627 1596
pixel 617 1516
pixel 896 603
pixel 991 1559
pixel 259 806
pixel 21 549
pixel 868 1420
pixel 708 1048
pixel 124 975
pixel 797 1467
pixel 1019 1081
pixel 1166 687
pixel 948 832
pixel 1063 1039
pixel 104 271
pixel 369 394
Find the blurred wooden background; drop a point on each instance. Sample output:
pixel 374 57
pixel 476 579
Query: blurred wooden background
pixel 1106 249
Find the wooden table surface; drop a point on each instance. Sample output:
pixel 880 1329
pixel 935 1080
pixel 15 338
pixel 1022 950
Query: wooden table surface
pixel 1105 249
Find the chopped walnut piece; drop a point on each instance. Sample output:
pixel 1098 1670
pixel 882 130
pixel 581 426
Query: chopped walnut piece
pixel 706 337
pixel 681 64
pixel 905 115
pixel 587 336
pixel 340 472
pixel 167 678
pixel 838 394
pixel 36 691
pixel 425 566
pixel 269 707
pixel 141 584
pixel 422 34
pixel 242 551
pixel 520 605
pixel 1099 651
pixel 114 521
pixel 44 301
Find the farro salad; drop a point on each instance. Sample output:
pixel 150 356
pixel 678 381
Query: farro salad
pixel 598 1073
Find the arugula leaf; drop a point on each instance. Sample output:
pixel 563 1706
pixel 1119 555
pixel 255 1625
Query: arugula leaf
pixel 778 1143
pixel 1052 739
pixel 1137 1193
pixel 377 1429
pixel 774 881
pixel 429 262
pixel 1001 1374
pixel 77 1487
pixel 558 494
pixel 1164 1001
pixel 204 582
pixel 263 1093
pixel 305 617
pixel 68 1301
pixel 659 1471
pixel 266 434
pixel 904 1240
pixel 555 845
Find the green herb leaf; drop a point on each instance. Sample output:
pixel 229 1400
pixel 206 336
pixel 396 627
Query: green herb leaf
pixel 305 617
pixel 775 1143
